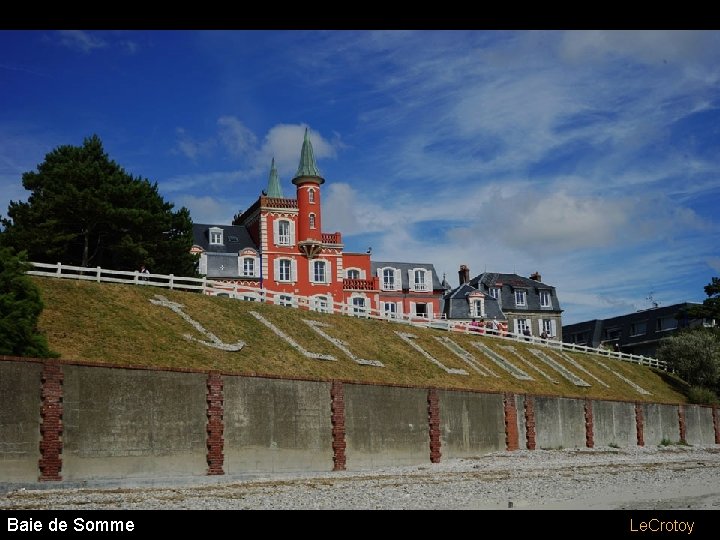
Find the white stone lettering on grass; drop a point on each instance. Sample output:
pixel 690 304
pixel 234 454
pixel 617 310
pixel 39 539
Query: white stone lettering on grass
pixel 638 389
pixel 466 356
pixel 512 369
pixel 572 361
pixel 214 342
pixel 316 325
pixel 512 350
pixel 562 370
pixel 408 338
pixel 291 341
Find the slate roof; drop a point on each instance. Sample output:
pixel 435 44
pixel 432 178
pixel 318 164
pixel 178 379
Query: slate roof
pixel 235 238
pixel 456 305
pixel 404 267
pixel 510 282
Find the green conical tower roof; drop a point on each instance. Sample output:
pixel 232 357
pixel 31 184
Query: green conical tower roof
pixel 274 189
pixel 307 165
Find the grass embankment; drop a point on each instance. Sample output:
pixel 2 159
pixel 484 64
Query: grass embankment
pixel 117 324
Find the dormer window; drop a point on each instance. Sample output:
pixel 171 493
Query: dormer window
pixel 520 297
pixel 216 236
pixel 545 299
pixel 494 292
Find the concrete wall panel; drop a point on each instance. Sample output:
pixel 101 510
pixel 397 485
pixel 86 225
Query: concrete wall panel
pixel 386 426
pixel 277 425
pixel 614 424
pixel 699 429
pixel 124 422
pixel 471 424
pixel 20 403
pixel 560 422
pixel 660 422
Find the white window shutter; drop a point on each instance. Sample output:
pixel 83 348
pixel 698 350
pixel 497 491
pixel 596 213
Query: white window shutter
pixel 293 270
pixel 276 269
pixel 399 309
pixel 276 232
pixel 311 270
pixel 553 327
pixel 412 308
pixel 328 272
pixel 429 310
pixel 362 274
pixel 516 326
pixel 398 279
pixel 380 274
pixel 258 269
pixel 203 264
pixel 292 233
pixel 411 280
pixel 540 327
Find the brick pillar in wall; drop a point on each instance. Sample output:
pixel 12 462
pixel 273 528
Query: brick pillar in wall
pixel 716 423
pixel 639 424
pixel 434 424
pixel 51 413
pixel 681 422
pixel 589 437
pixel 215 425
pixel 337 411
pixel 530 422
pixel 511 427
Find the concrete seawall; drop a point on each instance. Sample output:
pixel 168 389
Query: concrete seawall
pixel 65 421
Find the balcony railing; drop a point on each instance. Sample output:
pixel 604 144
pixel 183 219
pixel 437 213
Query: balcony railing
pixel 332 238
pixel 361 284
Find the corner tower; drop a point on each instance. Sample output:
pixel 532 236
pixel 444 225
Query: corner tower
pixel 308 181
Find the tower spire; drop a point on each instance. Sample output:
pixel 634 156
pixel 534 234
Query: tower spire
pixel 274 189
pixel 307 166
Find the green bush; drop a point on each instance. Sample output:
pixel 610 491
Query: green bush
pixel 702 396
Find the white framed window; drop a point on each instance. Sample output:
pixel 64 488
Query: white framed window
pixel 321 303
pixel 390 278
pixel 319 271
pixel 312 221
pixel 248 266
pixel 548 326
pixel 421 309
pixel 358 306
pixel 520 297
pixel 286 300
pixel 521 325
pixel 494 292
pixel 420 280
pixel 285 269
pixel 311 196
pixel 477 307
pixel 545 299
pixel 216 236
pixel 353 273
pixel 390 310
pixel 284 230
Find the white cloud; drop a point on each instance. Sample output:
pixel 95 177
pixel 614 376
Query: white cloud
pixel 284 141
pixel 206 209
pixel 236 137
pixel 81 40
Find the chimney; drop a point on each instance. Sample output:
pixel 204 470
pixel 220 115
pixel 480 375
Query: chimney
pixel 536 276
pixel 464 274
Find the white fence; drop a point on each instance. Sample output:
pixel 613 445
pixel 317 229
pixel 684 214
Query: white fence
pixel 241 292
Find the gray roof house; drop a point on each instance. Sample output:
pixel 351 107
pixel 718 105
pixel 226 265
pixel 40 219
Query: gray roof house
pixel 525 303
pixel 226 252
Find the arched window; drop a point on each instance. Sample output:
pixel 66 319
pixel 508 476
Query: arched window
pixel 311 196
pixel 312 221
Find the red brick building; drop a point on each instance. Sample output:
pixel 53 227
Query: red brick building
pixel 278 245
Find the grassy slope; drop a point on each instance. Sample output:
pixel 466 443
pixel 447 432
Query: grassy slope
pixel 117 324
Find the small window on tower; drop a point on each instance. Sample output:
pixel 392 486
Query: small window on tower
pixel 312 220
pixel 311 196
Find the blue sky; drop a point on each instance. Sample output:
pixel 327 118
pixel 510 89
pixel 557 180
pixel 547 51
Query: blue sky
pixel 592 157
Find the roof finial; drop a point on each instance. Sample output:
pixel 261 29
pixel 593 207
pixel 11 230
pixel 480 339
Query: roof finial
pixel 274 189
